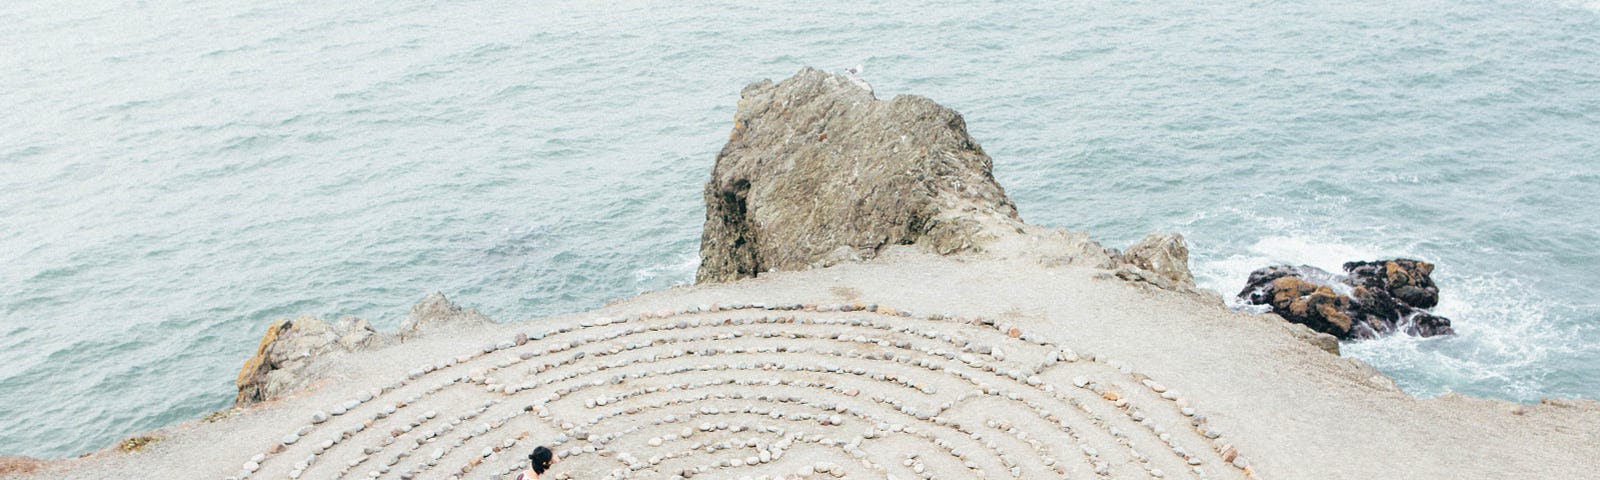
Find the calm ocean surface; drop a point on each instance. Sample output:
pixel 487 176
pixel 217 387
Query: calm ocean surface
pixel 174 175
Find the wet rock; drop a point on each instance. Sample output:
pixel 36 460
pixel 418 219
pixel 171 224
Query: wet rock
pixel 1369 300
pixel 1407 281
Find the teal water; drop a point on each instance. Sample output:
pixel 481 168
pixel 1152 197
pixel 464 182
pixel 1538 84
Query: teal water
pixel 176 175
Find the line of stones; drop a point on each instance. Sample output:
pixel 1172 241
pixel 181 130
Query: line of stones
pixel 601 402
pixel 828 417
pixel 1012 332
pixel 931 366
pixel 601 440
pixel 701 338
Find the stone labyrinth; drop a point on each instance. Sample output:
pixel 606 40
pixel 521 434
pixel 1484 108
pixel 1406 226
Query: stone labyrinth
pixel 763 391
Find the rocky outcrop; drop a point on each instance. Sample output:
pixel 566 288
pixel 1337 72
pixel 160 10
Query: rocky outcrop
pixel 1370 299
pixel 291 352
pixel 284 359
pixel 436 311
pixel 1161 259
pixel 818 171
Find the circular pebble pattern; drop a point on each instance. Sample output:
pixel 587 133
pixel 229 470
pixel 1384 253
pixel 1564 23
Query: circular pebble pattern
pixel 763 391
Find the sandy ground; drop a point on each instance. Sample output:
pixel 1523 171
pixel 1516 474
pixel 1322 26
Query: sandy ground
pixel 1077 377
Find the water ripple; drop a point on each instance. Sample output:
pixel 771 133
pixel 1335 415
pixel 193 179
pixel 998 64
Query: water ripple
pixel 172 187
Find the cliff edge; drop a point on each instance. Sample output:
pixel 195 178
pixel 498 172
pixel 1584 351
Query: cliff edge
pixel 971 345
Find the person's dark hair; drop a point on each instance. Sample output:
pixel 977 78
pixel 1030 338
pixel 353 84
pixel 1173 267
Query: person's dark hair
pixel 541 458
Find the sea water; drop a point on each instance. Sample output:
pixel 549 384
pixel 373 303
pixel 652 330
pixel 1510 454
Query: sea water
pixel 175 175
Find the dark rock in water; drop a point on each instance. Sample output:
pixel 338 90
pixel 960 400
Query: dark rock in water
pixel 1408 281
pixel 1369 300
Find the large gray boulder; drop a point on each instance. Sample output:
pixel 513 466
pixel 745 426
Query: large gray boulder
pixel 818 171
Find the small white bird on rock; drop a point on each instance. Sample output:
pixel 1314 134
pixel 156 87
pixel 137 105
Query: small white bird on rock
pixel 854 73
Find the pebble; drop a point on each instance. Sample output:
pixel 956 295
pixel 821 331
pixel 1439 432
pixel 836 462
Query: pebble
pixel 290 439
pixel 860 350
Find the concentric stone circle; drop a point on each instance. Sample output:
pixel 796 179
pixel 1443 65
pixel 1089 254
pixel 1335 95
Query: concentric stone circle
pixel 763 391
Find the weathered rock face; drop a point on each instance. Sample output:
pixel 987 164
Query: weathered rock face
pixel 283 361
pixel 288 357
pixel 1165 256
pixel 436 310
pixel 818 171
pixel 1369 300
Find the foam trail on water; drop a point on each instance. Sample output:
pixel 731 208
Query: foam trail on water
pixel 1227 275
pixel 1507 334
pixel 1506 339
pixel 681 270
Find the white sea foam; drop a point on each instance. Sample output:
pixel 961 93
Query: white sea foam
pixel 364 172
pixel 1506 336
pixel 1506 333
pixel 1227 275
pixel 679 271
pixel 1590 5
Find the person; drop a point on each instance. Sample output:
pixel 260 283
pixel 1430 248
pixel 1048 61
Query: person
pixel 538 462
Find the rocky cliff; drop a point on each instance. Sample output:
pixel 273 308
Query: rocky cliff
pixel 1004 340
pixel 818 171
pixel 292 351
